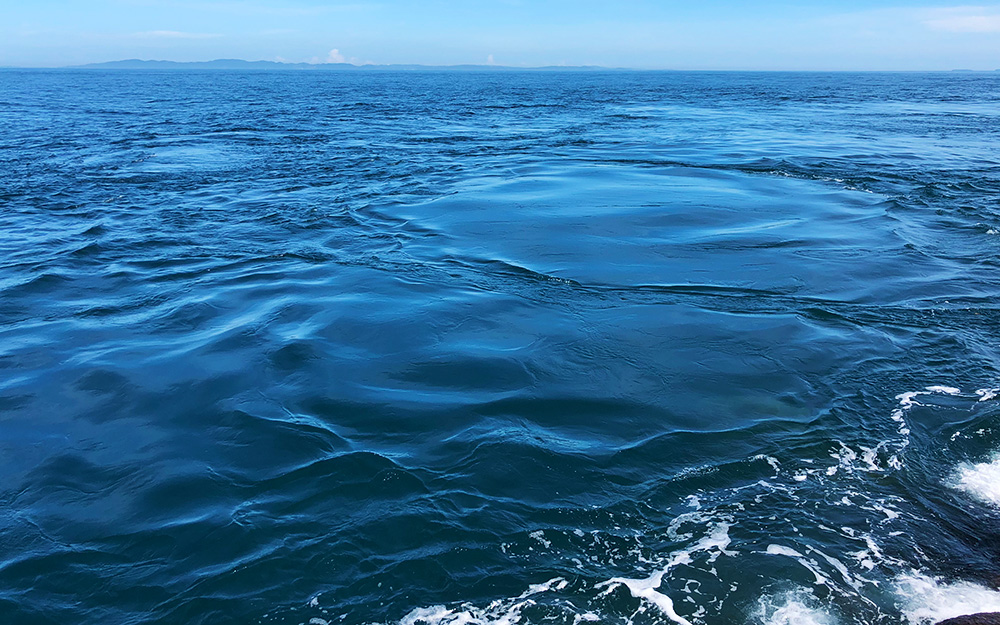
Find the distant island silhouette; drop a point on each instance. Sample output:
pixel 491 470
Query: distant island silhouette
pixel 239 64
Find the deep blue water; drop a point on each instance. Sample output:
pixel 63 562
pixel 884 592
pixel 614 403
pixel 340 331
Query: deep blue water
pixel 469 348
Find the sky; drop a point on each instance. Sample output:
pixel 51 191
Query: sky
pixel 645 34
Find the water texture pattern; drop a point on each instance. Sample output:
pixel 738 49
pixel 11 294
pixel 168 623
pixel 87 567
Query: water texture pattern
pixel 440 348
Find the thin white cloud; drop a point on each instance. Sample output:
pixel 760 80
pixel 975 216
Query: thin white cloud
pixel 966 19
pixel 173 34
pixel 259 7
pixel 914 21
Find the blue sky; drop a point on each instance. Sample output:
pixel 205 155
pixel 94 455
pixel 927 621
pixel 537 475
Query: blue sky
pixel 695 34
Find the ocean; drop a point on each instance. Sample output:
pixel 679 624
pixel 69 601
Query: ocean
pixel 477 348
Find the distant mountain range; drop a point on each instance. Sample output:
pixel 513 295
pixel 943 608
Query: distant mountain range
pixel 232 64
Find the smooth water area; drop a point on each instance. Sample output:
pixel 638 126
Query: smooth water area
pixel 440 348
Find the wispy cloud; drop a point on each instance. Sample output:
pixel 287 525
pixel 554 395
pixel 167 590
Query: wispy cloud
pixel 966 19
pixel 916 21
pixel 335 56
pixel 173 34
pixel 259 7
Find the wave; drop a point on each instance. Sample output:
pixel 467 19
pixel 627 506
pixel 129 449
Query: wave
pixel 981 480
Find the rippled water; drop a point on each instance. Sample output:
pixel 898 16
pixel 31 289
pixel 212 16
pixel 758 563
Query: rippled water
pixel 450 348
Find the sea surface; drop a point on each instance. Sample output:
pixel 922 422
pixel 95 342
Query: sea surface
pixel 444 348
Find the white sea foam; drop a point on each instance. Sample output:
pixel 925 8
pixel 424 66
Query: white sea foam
pixel 779 550
pixel 907 401
pixel 539 535
pixel 869 456
pixel 866 459
pixel 497 613
pixel 771 460
pixel 986 394
pixel 674 529
pixel 647 589
pixel 840 567
pixel 703 530
pixel 925 599
pixel 799 607
pixel 947 390
pixel 715 541
pixel 982 480
pixel 556 583
pixel 809 564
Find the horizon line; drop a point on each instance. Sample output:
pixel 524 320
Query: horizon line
pixel 305 66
